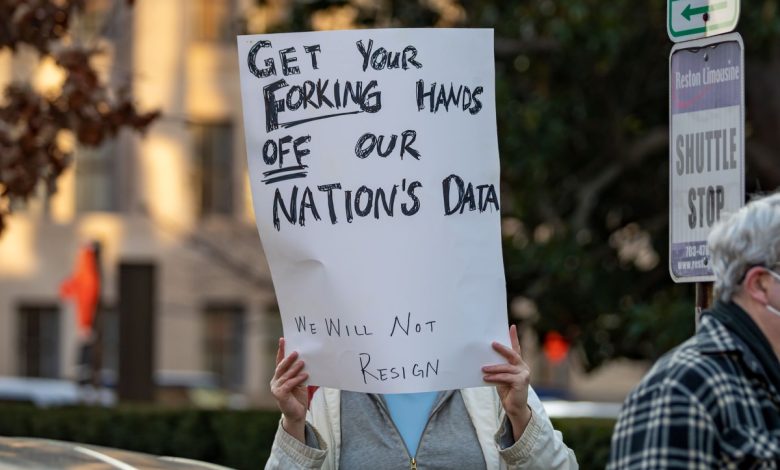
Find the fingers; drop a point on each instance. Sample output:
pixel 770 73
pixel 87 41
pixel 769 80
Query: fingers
pixel 506 374
pixel 280 351
pixel 508 379
pixel 289 371
pixel 513 357
pixel 285 364
pixel 293 370
pixel 283 390
pixel 296 381
pixel 501 368
pixel 291 377
pixel 515 371
pixel 514 340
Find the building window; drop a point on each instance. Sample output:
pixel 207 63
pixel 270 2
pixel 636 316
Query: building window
pixel 224 334
pixel 96 179
pixel 213 20
pixel 214 159
pixel 109 329
pixel 38 337
pixel 91 22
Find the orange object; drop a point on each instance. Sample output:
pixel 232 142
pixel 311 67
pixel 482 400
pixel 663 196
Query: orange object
pixel 556 348
pixel 83 286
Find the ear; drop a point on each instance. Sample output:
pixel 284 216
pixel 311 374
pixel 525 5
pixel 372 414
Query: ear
pixel 755 284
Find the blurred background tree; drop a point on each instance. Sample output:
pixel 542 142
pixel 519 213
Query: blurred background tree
pixel 38 130
pixel 582 100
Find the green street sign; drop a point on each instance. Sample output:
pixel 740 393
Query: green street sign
pixel 695 19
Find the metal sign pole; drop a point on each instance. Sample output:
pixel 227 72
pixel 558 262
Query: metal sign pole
pixel 704 298
pixel 706 102
pixel 97 324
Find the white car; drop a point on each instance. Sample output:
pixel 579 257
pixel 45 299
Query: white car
pixel 39 392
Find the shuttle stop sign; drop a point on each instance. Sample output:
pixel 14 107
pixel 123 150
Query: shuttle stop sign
pixel 706 147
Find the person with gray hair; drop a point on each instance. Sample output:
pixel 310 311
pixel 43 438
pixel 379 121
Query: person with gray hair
pixel 714 401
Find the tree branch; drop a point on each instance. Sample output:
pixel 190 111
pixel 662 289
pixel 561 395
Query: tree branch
pixel 642 148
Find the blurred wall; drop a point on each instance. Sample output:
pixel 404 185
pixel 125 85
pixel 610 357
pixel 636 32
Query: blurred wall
pixel 176 198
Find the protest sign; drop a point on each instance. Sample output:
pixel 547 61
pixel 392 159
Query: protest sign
pixel 373 160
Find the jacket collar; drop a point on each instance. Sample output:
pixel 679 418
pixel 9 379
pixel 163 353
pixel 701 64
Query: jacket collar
pixel 714 338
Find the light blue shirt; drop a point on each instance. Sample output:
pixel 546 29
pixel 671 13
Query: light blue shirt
pixel 410 413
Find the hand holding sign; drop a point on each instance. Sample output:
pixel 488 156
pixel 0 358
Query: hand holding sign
pixel 512 379
pixel 287 387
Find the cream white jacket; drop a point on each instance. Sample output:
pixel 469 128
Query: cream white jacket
pixel 540 446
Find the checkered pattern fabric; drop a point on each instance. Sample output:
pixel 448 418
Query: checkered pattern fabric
pixel 707 404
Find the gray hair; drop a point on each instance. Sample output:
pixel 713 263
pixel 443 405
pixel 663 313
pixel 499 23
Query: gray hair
pixel 749 237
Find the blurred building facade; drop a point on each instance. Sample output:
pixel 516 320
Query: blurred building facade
pixel 175 201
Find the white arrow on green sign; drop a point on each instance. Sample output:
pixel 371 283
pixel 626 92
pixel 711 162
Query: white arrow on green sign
pixel 694 19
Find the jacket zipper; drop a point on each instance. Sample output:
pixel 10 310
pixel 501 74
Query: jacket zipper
pixel 412 459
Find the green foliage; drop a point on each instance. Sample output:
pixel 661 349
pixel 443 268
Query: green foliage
pixel 238 439
pixel 245 442
pixel 31 123
pixel 582 103
pixel 589 439
pixel 232 438
pixel 584 154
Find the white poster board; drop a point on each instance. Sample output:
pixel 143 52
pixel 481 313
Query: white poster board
pixel 373 160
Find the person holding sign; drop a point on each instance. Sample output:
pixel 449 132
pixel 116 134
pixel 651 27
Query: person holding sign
pixel 373 160
pixel 504 427
pixel 713 401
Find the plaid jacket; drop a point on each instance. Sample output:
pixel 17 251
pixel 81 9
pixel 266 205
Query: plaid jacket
pixel 707 404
